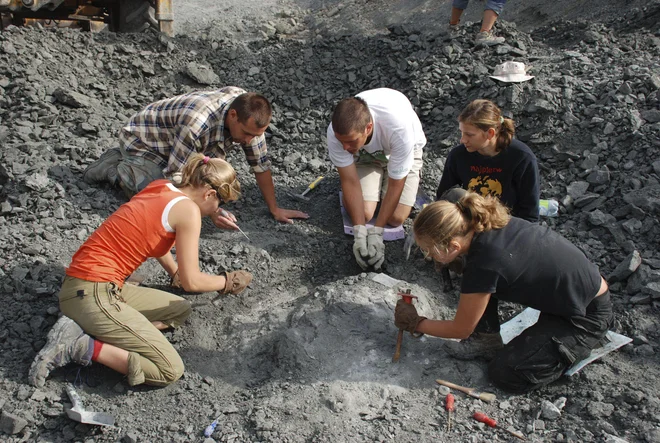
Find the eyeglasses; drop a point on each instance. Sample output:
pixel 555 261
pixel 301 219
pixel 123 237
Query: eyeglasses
pixel 217 193
pixel 427 253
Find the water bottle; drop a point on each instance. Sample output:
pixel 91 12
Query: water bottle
pixel 548 208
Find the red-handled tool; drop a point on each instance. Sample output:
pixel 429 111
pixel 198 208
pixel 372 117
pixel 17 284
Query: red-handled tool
pixel 483 418
pixel 449 406
pixel 408 298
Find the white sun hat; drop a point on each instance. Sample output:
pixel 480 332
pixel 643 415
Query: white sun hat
pixel 511 72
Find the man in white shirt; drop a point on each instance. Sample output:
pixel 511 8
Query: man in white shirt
pixel 376 132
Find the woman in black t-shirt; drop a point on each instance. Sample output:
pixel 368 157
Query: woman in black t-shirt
pixel 518 261
pixel 491 162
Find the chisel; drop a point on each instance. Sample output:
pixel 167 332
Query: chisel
pixel 483 418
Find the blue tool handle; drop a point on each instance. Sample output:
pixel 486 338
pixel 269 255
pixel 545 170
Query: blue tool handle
pixel 210 428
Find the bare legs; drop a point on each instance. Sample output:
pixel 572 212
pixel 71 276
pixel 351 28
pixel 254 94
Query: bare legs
pixel 489 19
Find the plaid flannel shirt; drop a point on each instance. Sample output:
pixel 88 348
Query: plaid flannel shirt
pixel 168 131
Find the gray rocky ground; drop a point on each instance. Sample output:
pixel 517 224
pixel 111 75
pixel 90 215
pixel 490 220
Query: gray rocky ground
pixel 304 354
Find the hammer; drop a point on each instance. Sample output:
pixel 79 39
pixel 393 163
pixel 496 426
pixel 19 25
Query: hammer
pixel 311 186
pixel 408 298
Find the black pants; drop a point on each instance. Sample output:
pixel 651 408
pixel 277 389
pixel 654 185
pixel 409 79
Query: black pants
pixel 542 352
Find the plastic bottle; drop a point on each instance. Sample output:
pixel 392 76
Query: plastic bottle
pixel 548 208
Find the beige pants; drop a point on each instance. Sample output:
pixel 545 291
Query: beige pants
pixel 123 319
pixel 373 180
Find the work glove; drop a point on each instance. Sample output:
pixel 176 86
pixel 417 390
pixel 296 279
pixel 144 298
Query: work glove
pixel 376 247
pixel 175 282
pixel 406 317
pixel 360 249
pixel 237 281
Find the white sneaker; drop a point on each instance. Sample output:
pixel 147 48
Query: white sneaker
pixel 486 38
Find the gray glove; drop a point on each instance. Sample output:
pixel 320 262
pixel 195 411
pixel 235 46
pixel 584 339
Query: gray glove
pixel 376 247
pixel 360 249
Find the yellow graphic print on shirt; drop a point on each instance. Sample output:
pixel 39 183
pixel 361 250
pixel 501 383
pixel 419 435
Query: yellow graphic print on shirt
pixel 484 185
pixel 365 158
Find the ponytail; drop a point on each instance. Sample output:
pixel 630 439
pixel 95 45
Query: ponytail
pixel 201 171
pixel 442 221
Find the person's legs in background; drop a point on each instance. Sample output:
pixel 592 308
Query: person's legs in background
pixel 131 173
pixel 457 8
pixel 492 10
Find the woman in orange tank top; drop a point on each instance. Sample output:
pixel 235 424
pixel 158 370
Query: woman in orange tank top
pixel 119 324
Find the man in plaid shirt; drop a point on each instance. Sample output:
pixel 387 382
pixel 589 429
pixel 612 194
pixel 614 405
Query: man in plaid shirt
pixel 158 140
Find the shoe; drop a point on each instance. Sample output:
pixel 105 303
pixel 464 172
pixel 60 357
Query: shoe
pixel 104 169
pixel 66 343
pixel 453 30
pixel 478 345
pixel 486 38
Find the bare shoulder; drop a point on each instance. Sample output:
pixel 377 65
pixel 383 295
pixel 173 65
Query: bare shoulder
pixel 185 212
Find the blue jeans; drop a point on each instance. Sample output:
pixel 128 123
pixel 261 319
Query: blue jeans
pixel 493 5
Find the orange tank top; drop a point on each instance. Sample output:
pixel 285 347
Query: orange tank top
pixel 135 232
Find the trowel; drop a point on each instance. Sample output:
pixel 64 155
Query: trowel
pixel 77 411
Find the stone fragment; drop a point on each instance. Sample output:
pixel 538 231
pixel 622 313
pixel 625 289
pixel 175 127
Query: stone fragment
pixel 640 299
pixel 651 116
pixel 598 409
pixel 656 166
pixel 598 217
pixel 609 438
pixel 23 393
pixel 71 98
pixel 549 411
pixel 202 74
pixel 38 395
pixel 599 177
pixel 631 226
pixel 11 424
pixel 577 189
pixel 590 162
pixel 644 350
pixel 647 198
pixel 626 267
pixel 652 289
pixel 131 437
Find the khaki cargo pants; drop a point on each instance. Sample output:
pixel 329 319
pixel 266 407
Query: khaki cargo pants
pixel 122 318
pixel 374 179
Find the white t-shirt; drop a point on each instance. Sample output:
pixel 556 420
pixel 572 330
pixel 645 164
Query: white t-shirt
pixel 397 137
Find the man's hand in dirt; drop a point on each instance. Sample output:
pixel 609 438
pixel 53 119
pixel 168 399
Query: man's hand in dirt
pixel 224 219
pixel 376 247
pixel 287 215
pixel 360 248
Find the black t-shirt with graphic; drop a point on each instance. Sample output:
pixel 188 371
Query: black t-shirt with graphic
pixel 512 176
pixel 532 265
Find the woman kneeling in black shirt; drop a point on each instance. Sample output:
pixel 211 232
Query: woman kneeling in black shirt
pixel 517 261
